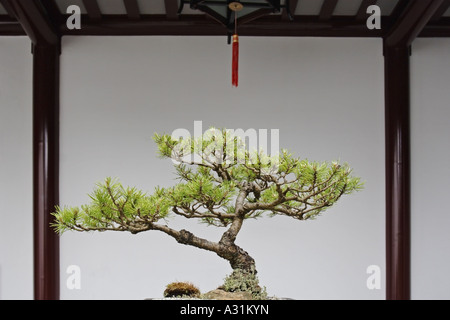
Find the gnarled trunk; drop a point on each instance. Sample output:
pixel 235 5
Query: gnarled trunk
pixel 237 257
pixel 225 248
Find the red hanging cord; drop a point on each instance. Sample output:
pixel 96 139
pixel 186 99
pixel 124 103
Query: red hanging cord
pixel 235 61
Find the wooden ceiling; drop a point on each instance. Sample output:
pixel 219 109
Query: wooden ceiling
pixel 319 18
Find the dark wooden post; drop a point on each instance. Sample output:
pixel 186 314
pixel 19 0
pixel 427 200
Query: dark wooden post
pixel 397 117
pixel 45 170
pixel 396 47
pixel 46 51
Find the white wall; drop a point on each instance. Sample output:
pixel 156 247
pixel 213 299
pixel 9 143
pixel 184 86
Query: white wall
pixel 168 86
pixel 16 241
pixel 325 96
pixel 430 132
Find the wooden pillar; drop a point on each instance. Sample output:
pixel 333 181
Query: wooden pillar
pixel 397 49
pixel 45 170
pixel 46 52
pixel 398 198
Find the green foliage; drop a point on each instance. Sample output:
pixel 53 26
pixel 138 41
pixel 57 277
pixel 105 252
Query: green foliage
pixel 244 281
pixel 114 207
pixel 200 186
pixel 212 171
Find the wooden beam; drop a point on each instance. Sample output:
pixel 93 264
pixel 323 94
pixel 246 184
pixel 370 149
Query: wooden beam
pixel 53 12
pixel 271 26
pixel 412 22
pixel 399 8
pixel 171 9
pixel 441 10
pixel 397 155
pixel 34 21
pixel 437 29
pixel 292 7
pixel 9 9
pixel 327 9
pixel 93 10
pixel 254 15
pixel 11 29
pixel 362 11
pixel 9 26
pixel 213 14
pixel 132 8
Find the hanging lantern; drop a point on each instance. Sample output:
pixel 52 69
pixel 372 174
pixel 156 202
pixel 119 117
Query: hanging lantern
pixel 226 12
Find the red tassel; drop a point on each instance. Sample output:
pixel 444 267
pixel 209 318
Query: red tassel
pixel 235 62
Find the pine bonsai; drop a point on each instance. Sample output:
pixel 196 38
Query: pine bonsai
pixel 221 184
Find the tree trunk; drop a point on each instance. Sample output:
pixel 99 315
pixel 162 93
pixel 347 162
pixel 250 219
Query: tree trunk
pixel 237 257
pixel 225 248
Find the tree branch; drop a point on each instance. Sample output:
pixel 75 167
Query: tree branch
pixel 190 214
pixel 229 237
pixel 186 237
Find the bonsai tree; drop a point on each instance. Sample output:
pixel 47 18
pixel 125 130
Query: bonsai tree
pixel 221 184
